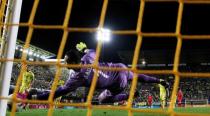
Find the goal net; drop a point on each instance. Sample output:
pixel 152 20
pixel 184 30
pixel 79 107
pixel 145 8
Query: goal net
pixel 66 30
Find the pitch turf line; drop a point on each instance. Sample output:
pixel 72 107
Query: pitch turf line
pixel 82 112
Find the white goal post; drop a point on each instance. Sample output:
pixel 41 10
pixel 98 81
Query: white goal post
pixel 6 67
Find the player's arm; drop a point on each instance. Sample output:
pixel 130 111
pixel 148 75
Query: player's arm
pixel 147 79
pixel 71 85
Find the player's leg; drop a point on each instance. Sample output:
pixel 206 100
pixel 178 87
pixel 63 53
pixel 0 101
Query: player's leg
pixel 9 102
pixel 179 102
pixel 149 104
pixel 112 93
pixel 105 96
pixel 164 92
pixel 120 97
pixel 19 105
pixel 119 93
pixel 148 79
pixel 45 94
pixel 151 79
pixel 163 103
pixel 10 99
pixel 141 77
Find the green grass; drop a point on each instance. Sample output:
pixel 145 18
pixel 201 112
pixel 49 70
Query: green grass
pixel 82 112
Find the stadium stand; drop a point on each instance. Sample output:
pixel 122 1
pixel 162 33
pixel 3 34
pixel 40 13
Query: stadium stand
pixel 193 88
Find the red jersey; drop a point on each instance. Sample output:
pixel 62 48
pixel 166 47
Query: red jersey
pixel 180 94
pixel 149 98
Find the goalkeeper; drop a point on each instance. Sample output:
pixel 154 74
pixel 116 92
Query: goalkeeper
pixel 112 82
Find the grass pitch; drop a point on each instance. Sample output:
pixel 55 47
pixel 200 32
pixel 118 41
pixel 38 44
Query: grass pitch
pixel 82 112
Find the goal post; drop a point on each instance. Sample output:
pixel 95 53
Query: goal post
pixel 9 48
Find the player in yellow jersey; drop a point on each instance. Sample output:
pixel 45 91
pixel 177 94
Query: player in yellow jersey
pixel 28 77
pixel 163 94
pixel 27 80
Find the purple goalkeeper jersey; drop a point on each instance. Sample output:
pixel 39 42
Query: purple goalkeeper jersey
pixel 115 81
pixel 105 78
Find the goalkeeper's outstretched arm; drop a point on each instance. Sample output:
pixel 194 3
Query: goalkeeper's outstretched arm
pixel 71 85
pixel 75 81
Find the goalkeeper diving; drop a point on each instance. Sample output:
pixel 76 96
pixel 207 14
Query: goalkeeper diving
pixel 113 83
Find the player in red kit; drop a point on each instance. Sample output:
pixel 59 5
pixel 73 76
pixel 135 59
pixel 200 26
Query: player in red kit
pixel 149 100
pixel 179 97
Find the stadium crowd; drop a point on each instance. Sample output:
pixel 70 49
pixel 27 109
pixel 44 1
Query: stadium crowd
pixel 193 88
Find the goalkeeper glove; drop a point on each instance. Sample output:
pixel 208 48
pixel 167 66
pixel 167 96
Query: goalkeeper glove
pixel 81 47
